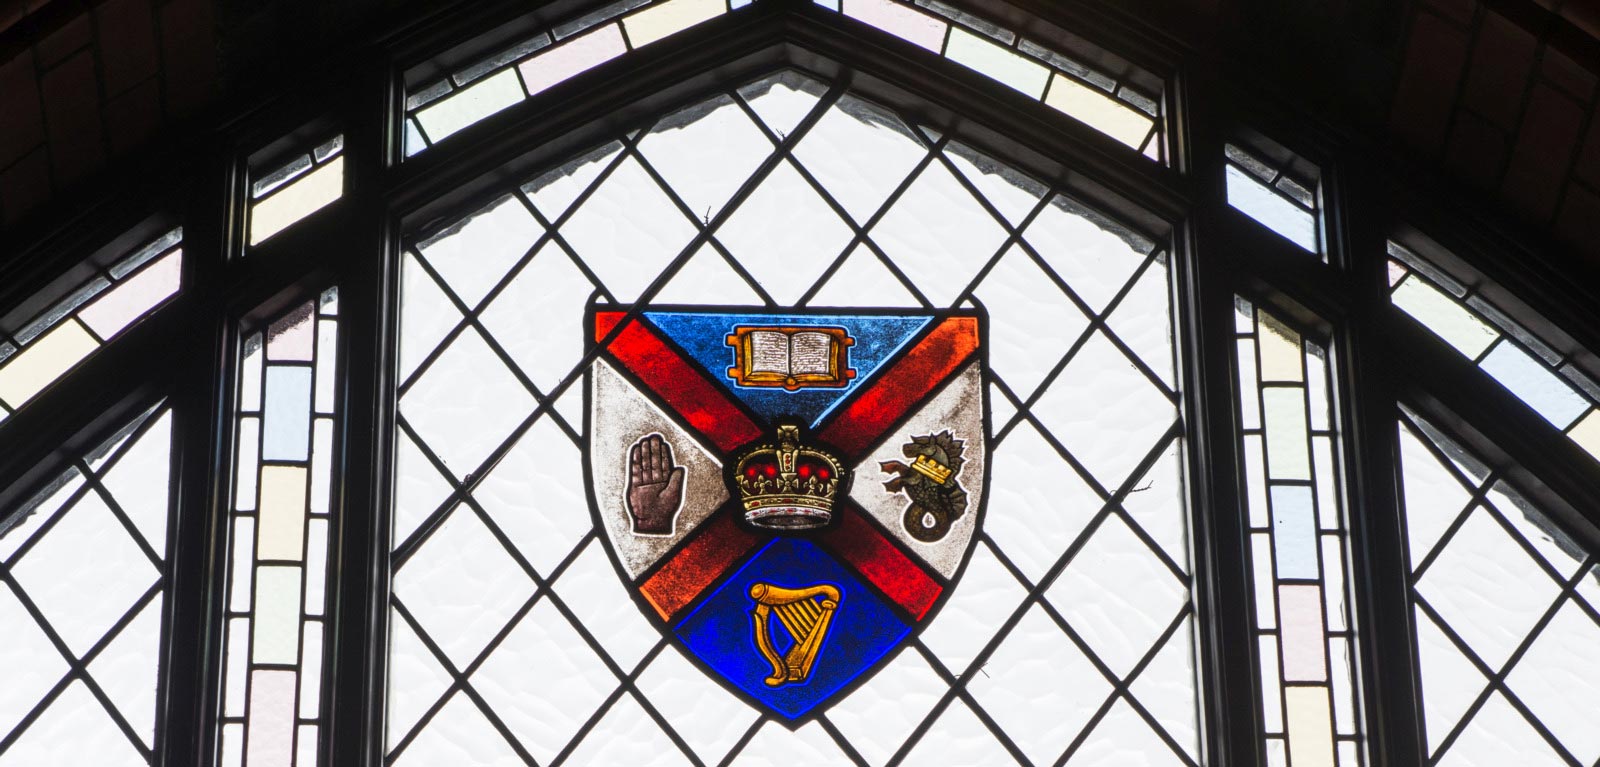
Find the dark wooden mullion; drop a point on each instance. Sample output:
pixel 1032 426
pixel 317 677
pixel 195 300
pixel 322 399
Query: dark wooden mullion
pixel 1388 684
pixel 356 636
pixel 1203 290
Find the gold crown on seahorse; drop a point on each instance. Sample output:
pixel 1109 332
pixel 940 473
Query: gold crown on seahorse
pixel 788 486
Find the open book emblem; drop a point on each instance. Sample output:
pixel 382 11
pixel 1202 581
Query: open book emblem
pixel 791 357
pixel 788 496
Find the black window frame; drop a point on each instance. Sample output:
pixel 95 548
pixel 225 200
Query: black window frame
pixel 187 353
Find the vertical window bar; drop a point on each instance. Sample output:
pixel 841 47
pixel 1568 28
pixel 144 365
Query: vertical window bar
pixel 278 571
pixel 1299 545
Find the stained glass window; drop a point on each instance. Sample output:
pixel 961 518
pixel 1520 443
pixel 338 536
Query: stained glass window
pixel 842 400
pixel 98 310
pixel 1543 378
pixel 444 106
pixel 1114 106
pixel 523 630
pixel 278 565
pixel 84 573
pixel 1506 612
pixel 296 189
pixel 1275 195
pixel 1297 544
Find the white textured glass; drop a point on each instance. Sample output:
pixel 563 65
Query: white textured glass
pixel 1500 593
pixel 499 575
pixel 80 573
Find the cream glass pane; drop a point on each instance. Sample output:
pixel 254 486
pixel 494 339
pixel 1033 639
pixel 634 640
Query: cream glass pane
pixel 1099 111
pixel 1310 727
pixel 1587 433
pixel 662 19
pixel 1441 314
pixel 125 303
pixel 1280 351
pixel 296 201
pixel 469 105
pixel 283 513
pixel 39 364
pixel 579 54
pixel 1007 66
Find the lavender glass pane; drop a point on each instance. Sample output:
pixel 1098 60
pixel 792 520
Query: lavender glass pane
pixel 1303 648
pixel 130 300
pixel 271 736
pixel 291 338
pixel 556 64
pixel 287 425
pixel 1294 532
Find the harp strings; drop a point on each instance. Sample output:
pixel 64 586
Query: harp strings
pixel 799 617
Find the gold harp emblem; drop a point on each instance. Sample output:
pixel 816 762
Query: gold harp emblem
pixel 805 613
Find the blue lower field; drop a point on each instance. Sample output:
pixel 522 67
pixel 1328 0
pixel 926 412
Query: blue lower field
pixel 720 631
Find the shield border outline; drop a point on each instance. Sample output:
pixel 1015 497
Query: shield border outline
pixel 594 352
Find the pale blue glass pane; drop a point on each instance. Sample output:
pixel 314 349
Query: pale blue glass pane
pixel 1273 211
pixel 1534 384
pixel 287 428
pixel 1294 532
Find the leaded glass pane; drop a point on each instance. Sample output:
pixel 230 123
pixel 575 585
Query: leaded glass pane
pixel 297 188
pixel 1505 636
pixel 1274 197
pixel 95 313
pixel 1546 380
pixel 1111 105
pixel 279 537
pixel 85 573
pixel 1298 542
pixel 527 628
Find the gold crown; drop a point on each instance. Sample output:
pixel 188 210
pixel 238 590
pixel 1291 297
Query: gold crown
pixel 787 486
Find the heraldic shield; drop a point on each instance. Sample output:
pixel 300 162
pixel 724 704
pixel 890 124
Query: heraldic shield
pixel 789 496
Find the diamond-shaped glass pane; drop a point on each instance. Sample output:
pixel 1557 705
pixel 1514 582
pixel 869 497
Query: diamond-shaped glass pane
pixel 1083 492
pixel 462 586
pixel 785 235
pixel 85 574
pixel 1501 595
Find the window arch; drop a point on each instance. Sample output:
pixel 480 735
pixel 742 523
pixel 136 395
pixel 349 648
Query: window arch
pixel 468 237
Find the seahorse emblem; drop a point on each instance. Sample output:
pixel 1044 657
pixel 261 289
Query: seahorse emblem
pixel 931 482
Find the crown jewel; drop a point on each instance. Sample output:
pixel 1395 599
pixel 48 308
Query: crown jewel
pixel 788 486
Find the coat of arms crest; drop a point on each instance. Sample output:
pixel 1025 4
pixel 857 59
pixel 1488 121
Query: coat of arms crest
pixel 789 496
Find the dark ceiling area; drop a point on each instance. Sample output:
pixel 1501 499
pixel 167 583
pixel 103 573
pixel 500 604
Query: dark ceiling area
pixel 1492 101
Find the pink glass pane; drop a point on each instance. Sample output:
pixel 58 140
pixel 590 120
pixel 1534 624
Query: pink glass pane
pixel 572 57
pixel 900 21
pixel 292 338
pixel 271 719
